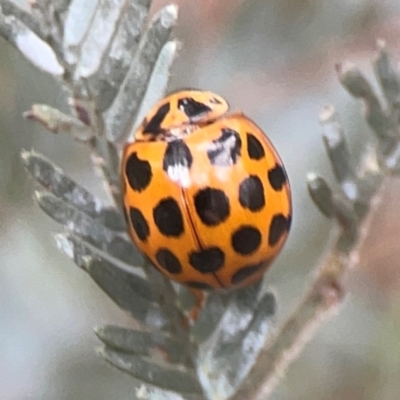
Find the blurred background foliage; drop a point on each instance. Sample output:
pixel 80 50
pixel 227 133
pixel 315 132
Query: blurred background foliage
pixel 274 60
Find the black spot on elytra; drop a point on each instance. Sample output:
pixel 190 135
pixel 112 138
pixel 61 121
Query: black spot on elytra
pixel 225 150
pixel 277 177
pixel 154 125
pixel 167 260
pixel 278 227
pixel 246 272
pixel 198 285
pixel 138 172
pixel 168 217
pixel 251 193
pixel 192 108
pixel 208 260
pixel 139 223
pixel 214 100
pixel 246 240
pixel 212 206
pixel 254 148
pixel 177 161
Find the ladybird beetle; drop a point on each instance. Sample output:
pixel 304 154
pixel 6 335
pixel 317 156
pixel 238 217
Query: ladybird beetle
pixel 205 194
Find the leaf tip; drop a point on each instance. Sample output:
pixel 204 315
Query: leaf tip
pixel 99 331
pixel 25 157
pixel 64 245
pixel 100 350
pixel 381 44
pixel 169 15
pixel 327 114
pixel 38 195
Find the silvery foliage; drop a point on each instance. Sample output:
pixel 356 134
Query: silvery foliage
pixel 114 62
pixel 360 180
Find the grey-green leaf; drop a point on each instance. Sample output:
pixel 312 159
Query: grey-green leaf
pixel 88 229
pixel 79 16
pixel 225 362
pixel 97 41
pixel 338 153
pixel 126 288
pixel 122 113
pixel 142 343
pixel 355 82
pixel 165 376
pixel 106 81
pixel 159 80
pixel 10 8
pixel 388 76
pixel 321 194
pixel 29 44
pixel 53 178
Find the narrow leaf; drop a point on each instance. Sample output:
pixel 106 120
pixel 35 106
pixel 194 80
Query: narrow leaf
pixel 388 77
pixel 98 38
pixel 166 376
pixel 56 121
pixel 218 304
pixel 167 298
pixel 143 343
pixel 159 80
pixel 29 44
pixel 235 320
pixel 106 81
pixel 321 194
pixel 53 178
pixel 122 113
pixel 225 364
pixel 125 287
pixel 10 8
pixel 88 229
pixel 338 153
pixel 61 6
pixel 126 290
pixel 80 14
pixel 80 252
pixel 355 82
pixel 210 316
